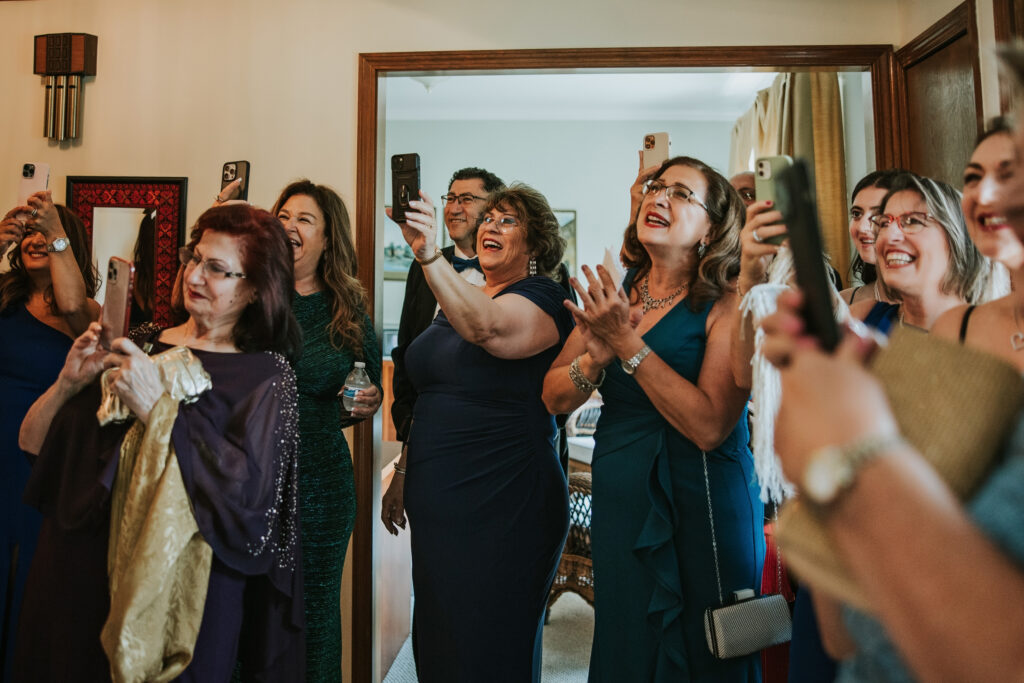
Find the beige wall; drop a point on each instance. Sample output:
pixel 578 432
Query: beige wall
pixel 185 85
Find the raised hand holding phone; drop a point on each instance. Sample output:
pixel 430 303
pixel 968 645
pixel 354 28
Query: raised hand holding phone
pixel 116 300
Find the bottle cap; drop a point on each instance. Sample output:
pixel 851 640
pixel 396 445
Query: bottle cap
pixel 359 364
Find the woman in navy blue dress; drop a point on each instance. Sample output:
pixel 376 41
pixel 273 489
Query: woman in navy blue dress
pixel 671 444
pixel 485 493
pixel 44 303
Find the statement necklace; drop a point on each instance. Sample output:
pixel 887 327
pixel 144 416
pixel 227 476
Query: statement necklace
pixel 1017 338
pixel 651 304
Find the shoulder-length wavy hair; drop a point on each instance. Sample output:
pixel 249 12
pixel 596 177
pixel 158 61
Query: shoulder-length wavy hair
pixel 968 272
pixel 16 285
pixel 267 323
pixel 338 267
pixel 859 268
pixel 533 211
pixel 720 263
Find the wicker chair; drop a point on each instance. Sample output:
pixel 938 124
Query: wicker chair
pixel 576 569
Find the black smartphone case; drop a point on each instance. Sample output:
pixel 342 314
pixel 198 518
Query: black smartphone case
pixel 405 183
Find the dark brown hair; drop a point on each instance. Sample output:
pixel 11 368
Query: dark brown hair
pixel 532 209
pixel 338 268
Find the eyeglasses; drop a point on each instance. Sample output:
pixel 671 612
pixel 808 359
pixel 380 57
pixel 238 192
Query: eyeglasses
pixel 503 223
pixel 465 198
pixel 910 223
pixel 211 269
pixel 677 193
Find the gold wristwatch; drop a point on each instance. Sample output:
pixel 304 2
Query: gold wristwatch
pixel 833 469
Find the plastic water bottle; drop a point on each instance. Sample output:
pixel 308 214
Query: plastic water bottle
pixel 356 380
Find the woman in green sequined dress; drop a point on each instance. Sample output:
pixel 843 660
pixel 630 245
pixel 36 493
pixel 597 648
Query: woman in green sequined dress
pixel 330 306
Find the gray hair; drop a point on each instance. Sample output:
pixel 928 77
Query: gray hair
pixel 968 273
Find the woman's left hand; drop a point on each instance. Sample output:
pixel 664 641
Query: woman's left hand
pixel 136 380
pixel 45 219
pixel 367 402
pixel 605 308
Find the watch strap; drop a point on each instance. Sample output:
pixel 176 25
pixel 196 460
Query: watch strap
pixel 631 364
pixel 852 458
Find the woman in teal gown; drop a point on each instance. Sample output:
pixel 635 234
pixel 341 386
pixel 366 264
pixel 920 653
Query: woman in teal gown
pixel 659 349
pixel 330 307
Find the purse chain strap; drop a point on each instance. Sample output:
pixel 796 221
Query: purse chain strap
pixel 714 543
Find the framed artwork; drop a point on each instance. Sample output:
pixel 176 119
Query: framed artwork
pixel 138 218
pixel 567 229
pixel 397 252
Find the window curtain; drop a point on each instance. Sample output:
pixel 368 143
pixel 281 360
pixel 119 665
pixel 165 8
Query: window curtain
pixel 801 114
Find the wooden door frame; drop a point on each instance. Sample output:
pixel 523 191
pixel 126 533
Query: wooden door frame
pixel 960 22
pixel 878 59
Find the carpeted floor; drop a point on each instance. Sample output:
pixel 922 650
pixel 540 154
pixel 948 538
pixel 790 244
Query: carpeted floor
pixel 566 645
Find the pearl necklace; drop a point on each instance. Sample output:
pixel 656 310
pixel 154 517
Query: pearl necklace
pixel 651 304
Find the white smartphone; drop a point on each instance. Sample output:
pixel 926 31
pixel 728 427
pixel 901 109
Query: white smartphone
pixel 657 149
pixel 35 177
pixel 117 300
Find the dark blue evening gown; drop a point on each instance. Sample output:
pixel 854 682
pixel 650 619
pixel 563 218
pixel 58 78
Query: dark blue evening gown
pixel 31 356
pixel 486 500
pixel 654 571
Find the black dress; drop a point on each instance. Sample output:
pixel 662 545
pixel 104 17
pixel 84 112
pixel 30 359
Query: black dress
pixel 237 449
pixel 486 499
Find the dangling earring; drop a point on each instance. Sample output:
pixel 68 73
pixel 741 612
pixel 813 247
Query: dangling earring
pixel 701 249
pixel 533 267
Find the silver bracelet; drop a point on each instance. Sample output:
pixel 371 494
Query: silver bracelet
pixel 580 380
pixel 398 469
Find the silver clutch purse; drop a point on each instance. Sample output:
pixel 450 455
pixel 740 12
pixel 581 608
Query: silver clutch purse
pixel 750 623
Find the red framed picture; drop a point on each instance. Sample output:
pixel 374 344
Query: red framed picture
pixel 144 215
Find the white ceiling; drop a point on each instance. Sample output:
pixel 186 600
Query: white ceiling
pixel 704 96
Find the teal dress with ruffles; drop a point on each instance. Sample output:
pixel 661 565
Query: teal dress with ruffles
pixel 654 568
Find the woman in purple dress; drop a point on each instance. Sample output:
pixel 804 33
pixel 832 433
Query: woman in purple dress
pixel 235 447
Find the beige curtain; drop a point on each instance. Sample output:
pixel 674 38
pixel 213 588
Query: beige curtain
pixel 802 115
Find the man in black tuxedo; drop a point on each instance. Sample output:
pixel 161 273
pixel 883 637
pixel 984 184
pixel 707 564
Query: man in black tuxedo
pixel 467 193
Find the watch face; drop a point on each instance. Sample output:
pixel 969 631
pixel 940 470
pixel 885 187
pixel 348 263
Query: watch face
pixel 59 244
pixel 823 476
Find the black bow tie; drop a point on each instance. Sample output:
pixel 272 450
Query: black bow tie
pixel 462 263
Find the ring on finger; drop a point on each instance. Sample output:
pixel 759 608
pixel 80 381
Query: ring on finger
pixel 757 238
pixel 35 212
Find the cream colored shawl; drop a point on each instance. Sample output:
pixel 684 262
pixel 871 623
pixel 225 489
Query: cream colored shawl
pixel 158 563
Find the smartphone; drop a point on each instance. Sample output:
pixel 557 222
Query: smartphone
pixel 117 300
pixel 233 170
pixel 766 170
pixel 794 187
pixel 35 177
pixel 405 183
pixel 657 149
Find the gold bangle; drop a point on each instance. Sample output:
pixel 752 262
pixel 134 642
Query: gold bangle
pixel 427 262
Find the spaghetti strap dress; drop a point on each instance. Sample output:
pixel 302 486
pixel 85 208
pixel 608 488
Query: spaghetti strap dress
pixel 486 499
pixel 654 567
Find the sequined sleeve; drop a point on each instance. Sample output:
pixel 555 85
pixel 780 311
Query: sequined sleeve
pixel 238 451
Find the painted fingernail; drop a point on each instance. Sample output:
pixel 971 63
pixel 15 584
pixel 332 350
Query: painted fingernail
pixel 769 202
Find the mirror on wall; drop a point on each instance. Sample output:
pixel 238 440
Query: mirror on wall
pixel 576 137
pixel 141 220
